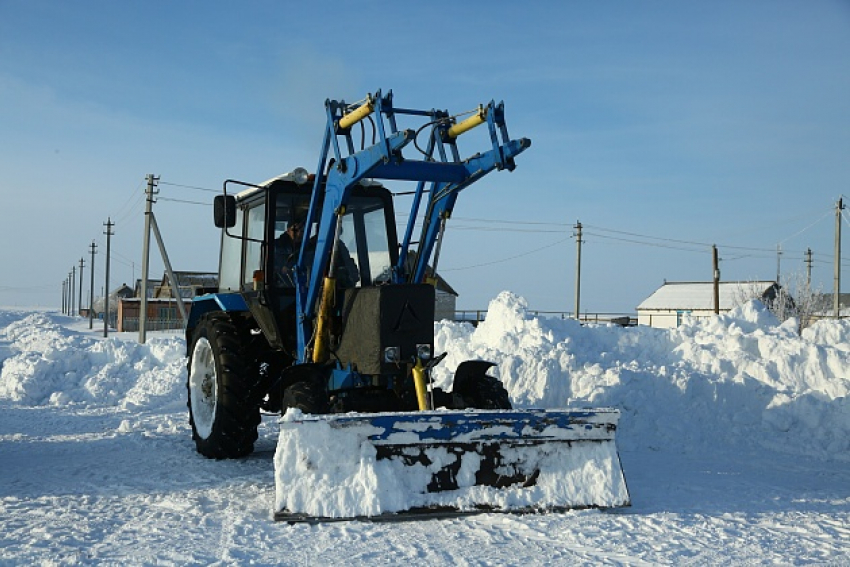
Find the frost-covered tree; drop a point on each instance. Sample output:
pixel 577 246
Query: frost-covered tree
pixel 796 299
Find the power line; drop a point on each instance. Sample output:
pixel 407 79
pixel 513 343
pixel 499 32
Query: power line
pixel 133 210
pixel 701 249
pixel 161 198
pixel 130 198
pixel 505 259
pixel 490 221
pixel 828 213
pixel 194 187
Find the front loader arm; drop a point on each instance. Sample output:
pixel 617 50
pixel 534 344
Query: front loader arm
pixel 336 174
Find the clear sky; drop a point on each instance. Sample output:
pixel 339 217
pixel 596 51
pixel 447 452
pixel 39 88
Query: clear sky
pixel 663 126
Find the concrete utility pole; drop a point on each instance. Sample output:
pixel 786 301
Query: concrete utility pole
pixel 808 269
pixel 93 247
pixel 578 269
pixel 64 294
pixel 108 232
pixel 150 191
pixel 716 264
pixel 778 261
pixel 73 288
pixel 80 303
pixel 837 285
pixel 173 283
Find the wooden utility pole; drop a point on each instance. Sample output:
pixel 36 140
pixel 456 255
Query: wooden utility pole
pixel 73 287
pixel 578 269
pixel 93 247
pixel 108 224
pixel 80 302
pixel 837 285
pixel 716 264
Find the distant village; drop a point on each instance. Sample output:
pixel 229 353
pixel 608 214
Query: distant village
pixel 667 307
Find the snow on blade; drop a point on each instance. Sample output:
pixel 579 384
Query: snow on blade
pixel 369 465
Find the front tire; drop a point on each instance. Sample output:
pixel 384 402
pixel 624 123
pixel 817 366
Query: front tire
pixel 223 417
pixel 307 395
pixel 489 393
pixel 478 390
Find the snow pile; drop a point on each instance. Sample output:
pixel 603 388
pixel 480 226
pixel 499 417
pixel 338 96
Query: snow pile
pixel 46 363
pixel 741 380
pixel 737 378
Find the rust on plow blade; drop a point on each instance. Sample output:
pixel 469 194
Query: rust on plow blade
pixel 446 463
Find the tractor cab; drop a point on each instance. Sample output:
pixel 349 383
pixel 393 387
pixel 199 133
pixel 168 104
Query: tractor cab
pixel 258 250
pixel 265 234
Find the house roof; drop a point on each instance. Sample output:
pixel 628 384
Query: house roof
pixel 700 295
pixel 442 284
pixel 203 279
pixel 137 291
pixel 123 290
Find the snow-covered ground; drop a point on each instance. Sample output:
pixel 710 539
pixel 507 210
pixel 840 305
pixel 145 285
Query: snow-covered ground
pixel 734 437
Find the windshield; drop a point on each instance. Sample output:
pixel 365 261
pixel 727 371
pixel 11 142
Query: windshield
pixel 364 257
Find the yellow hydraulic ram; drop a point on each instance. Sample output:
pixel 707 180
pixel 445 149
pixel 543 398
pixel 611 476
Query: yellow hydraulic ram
pixel 421 385
pixel 326 303
pixel 320 350
pixel 475 120
pixel 357 115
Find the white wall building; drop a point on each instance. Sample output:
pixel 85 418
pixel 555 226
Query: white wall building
pixel 673 301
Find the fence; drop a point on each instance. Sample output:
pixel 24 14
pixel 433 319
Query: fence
pixel 476 316
pixel 131 324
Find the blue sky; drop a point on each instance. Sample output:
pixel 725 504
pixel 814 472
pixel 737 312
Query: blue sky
pixel 663 126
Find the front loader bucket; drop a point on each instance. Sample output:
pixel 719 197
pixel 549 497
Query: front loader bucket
pixel 392 465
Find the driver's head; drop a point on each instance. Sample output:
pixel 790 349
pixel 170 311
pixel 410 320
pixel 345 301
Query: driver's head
pixel 295 229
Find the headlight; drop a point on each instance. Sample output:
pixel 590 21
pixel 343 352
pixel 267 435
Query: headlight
pixel 300 175
pixel 423 352
pixel 392 354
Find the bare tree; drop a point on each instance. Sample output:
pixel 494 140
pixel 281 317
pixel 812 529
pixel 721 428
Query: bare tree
pixel 795 299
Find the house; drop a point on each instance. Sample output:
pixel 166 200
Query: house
pixel 190 284
pixel 670 303
pixel 445 300
pixel 162 312
pixel 122 292
pixel 137 291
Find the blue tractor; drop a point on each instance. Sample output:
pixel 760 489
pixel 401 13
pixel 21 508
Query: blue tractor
pixel 321 306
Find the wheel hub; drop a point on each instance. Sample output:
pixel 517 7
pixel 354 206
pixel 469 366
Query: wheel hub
pixel 203 388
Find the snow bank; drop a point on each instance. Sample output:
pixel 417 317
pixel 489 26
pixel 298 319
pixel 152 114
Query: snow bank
pixel 46 363
pixel 739 378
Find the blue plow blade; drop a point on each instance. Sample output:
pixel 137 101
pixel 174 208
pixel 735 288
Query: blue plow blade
pixel 450 462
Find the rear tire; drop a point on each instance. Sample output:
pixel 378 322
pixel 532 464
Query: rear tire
pixel 223 417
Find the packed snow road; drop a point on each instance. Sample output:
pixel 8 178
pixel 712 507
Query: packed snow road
pixel 734 441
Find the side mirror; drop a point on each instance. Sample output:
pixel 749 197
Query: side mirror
pixel 224 211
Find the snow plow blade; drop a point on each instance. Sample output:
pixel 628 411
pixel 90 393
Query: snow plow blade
pixel 443 463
